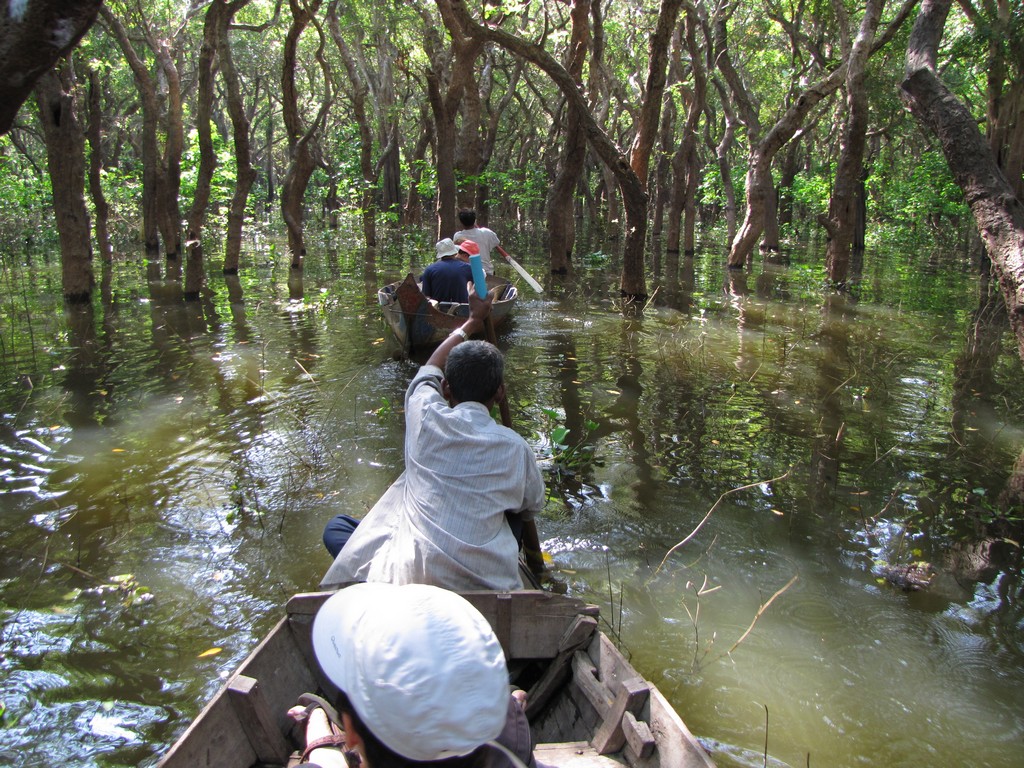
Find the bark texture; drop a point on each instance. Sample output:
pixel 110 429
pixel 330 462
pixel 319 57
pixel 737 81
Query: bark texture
pixel 560 205
pixel 33 36
pixel 843 205
pixel 245 174
pixel 997 211
pixel 301 137
pixel 65 160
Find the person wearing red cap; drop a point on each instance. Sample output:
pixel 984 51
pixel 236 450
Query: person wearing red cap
pixel 468 248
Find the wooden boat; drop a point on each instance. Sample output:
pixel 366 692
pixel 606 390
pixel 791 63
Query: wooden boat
pixel 418 322
pixel 588 708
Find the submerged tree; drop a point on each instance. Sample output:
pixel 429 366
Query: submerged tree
pixel 302 137
pixel 630 169
pixel 65 159
pixel 998 212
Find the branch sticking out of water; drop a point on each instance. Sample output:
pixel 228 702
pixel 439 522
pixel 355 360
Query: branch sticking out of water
pixel 760 612
pixel 713 508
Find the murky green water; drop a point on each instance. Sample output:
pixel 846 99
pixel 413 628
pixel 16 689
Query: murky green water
pixel 166 471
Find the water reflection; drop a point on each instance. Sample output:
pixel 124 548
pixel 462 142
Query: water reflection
pixel 198 448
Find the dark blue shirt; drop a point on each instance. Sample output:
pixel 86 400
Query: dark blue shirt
pixel 446 280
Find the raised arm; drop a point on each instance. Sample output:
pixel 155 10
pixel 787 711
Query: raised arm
pixel 478 310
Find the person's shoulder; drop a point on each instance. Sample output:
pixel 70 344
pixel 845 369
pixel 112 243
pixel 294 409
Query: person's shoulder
pixel 429 376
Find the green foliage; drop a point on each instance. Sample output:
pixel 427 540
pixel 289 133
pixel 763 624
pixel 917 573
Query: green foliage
pixel 812 191
pixel 524 186
pixel 25 194
pixel 222 185
pixel 596 258
pixel 125 588
pixel 916 190
pixel 571 457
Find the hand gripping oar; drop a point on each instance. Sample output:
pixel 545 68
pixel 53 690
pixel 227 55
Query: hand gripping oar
pixel 526 275
pixel 531 539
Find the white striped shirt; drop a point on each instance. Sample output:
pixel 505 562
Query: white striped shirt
pixel 442 521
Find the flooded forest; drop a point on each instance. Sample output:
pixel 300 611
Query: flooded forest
pixel 766 346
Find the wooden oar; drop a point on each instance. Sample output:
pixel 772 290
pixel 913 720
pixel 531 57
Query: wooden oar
pixel 531 539
pixel 526 275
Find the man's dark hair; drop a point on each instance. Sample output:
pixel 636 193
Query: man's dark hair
pixel 468 217
pixel 378 755
pixel 474 371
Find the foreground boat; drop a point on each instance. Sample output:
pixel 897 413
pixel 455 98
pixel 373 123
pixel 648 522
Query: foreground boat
pixel 418 322
pixel 587 707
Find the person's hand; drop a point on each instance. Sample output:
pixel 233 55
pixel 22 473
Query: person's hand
pixel 479 308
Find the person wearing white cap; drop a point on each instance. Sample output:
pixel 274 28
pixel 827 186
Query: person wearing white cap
pixel 421 679
pixel 451 518
pixel 447 279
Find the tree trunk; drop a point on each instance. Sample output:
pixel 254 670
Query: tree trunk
pixel 685 169
pixel 998 213
pixel 788 167
pixel 301 160
pixel 95 138
pixel 33 37
pixel 65 160
pixel 759 186
pixel 388 127
pixel 412 212
pixel 207 69
pixel 722 150
pixel 469 149
pixel 445 103
pixel 630 173
pixel 842 214
pixel 245 174
pixel 169 185
pixel 561 214
pixel 151 162
pixel 360 89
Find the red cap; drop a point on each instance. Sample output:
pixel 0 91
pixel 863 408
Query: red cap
pixel 469 247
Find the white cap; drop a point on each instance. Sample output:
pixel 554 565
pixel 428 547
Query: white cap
pixel 422 667
pixel 446 248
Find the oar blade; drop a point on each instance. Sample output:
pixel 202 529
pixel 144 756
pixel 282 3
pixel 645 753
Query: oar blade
pixel 525 275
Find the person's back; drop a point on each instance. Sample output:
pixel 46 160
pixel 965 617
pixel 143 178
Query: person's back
pixel 482 236
pixel 447 519
pixel 448 277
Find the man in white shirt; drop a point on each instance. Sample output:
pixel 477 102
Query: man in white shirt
pixel 448 519
pixel 482 236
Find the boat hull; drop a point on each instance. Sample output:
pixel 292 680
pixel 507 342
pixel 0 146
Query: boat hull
pixel 587 706
pixel 419 323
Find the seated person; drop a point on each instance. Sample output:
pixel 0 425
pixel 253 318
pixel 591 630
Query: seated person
pixel 448 277
pixel 449 518
pixel 421 679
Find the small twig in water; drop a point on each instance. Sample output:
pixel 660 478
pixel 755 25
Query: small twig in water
pixel 765 735
pixel 760 612
pixel 713 508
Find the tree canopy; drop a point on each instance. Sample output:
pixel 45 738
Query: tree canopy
pixel 638 118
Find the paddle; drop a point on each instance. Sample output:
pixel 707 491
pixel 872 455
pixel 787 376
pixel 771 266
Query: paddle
pixel 526 275
pixel 531 539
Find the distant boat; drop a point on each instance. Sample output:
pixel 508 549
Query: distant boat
pixel 419 322
pixel 587 707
